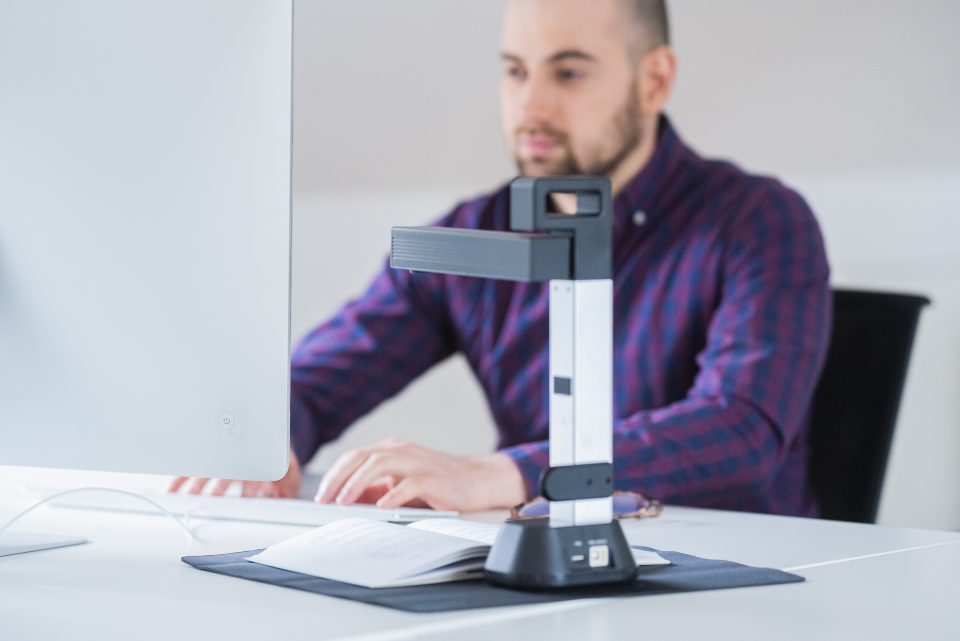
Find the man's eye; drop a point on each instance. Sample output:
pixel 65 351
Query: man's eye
pixel 568 75
pixel 515 72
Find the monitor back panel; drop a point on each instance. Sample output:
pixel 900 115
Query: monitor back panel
pixel 145 235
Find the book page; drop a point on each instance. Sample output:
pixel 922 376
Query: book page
pixel 369 553
pixel 485 533
pixel 647 557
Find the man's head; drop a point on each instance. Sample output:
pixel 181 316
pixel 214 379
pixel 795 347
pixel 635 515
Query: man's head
pixel 583 83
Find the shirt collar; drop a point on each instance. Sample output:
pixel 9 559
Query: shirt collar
pixel 641 196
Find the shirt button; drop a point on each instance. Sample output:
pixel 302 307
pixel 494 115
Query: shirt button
pixel 639 218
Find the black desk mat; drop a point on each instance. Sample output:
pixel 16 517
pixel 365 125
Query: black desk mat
pixel 685 574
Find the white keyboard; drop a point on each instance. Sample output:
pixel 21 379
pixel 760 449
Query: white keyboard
pixel 229 508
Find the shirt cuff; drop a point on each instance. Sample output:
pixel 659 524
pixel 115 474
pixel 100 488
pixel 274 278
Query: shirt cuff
pixel 304 436
pixel 531 459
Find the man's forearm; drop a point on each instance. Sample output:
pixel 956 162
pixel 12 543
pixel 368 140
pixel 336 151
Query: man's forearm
pixel 698 450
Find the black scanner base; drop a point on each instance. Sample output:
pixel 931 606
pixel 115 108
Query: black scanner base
pixel 532 554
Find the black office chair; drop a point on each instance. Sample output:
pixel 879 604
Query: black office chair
pixel 856 400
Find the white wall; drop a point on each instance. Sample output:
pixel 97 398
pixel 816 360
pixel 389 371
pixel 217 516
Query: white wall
pixel 854 103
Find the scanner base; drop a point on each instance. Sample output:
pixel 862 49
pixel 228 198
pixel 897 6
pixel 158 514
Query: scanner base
pixel 532 553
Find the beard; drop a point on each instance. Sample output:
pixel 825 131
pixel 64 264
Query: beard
pixel 621 136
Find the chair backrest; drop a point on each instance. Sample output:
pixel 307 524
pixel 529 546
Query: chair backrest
pixel 855 405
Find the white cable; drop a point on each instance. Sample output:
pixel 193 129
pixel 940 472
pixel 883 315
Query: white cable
pixel 191 537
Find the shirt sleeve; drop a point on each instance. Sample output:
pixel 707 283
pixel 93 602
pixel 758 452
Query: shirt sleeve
pixel 726 440
pixel 365 354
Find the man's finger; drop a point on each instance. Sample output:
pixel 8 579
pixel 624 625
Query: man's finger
pixel 374 492
pixel 339 472
pixel 196 485
pixel 177 483
pixel 221 486
pixel 268 490
pixel 285 490
pixel 377 465
pixel 402 493
pixel 249 489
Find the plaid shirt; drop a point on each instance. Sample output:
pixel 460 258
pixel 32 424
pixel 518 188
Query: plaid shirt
pixel 721 323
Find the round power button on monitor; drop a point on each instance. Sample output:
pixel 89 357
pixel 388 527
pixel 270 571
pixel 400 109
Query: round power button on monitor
pixel 227 421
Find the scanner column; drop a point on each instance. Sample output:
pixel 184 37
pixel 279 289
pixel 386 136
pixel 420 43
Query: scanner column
pixel 581 384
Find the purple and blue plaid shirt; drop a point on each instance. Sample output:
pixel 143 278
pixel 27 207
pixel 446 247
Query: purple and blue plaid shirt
pixel 721 323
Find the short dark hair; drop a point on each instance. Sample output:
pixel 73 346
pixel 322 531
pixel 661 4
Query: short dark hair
pixel 651 17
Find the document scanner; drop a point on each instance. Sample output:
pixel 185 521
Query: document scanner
pixel 579 543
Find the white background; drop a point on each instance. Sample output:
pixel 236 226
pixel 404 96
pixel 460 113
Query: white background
pixel 852 103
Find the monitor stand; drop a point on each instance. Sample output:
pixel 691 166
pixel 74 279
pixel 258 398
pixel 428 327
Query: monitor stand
pixel 20 542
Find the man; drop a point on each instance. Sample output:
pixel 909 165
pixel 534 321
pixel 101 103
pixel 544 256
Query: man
pixel 721 300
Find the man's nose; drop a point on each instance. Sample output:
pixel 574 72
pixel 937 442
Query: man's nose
pixel 537 102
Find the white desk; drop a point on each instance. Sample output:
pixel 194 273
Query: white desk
pixel 906 595
pixel 130 582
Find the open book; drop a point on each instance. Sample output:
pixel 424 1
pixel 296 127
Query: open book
pixel 376 554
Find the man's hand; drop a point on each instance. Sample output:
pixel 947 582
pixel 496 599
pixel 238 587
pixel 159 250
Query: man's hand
pixel 285 488
pixel 395 473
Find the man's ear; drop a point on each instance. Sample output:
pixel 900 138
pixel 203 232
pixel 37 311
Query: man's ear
pixel 656 73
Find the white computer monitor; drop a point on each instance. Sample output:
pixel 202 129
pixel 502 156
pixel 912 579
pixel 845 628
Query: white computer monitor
pixel 145 201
